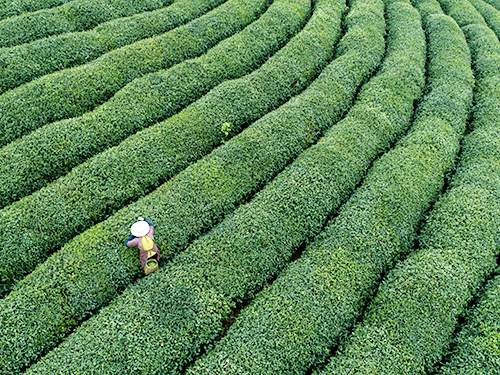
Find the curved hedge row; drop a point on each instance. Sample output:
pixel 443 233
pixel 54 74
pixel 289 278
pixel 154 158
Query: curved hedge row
pixel 462 11
pixel 26 62
pixel 476 349
pixel 301 113
pixel 490 14
pixel 427 8
pixel 10 8
pixel 29 163
pixel 72 92
pixel 51 151
pixel 313 303
pixel 494 3
pixel 78 15
pixel 409 324
pixel 292 325
pixel 94 190
pixel 193 201
pixel 485 50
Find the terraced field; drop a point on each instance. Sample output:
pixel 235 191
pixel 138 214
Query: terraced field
pixel 323 177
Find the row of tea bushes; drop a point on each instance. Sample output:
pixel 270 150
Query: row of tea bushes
pixel 62 145
pixel 72 92
pixel 494 3
pixel 408 327
pixel 476 346
pixel 107 182
pixel 256 230
pixel 462 11
pixel 184 207
pixel 10 8
pixel 51 151
pixel 427 8
pixel 305 110
pixel 26 62
pixel 490 14
pixel 77 15
pixel 295 322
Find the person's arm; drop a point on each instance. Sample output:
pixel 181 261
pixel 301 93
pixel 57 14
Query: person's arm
pixel 150 223
pixel 128 239
pixel 133 242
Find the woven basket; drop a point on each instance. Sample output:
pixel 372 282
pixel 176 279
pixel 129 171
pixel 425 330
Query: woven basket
pixel 148 269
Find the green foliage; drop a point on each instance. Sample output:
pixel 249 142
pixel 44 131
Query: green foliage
pixel 190 203
pixel 494 3
pixel 72 92
pixel 462 11
pixel 179 312
pixel 485 51
pixel 477 346
pixel 490 14
pixel 426 8
pixel 226 129
pixel 109 181
pixel 26 62
pixel 313 303
pixel 77 15
pixel 29 163
pixel 10 8
pixel 408 326
pixel 199 272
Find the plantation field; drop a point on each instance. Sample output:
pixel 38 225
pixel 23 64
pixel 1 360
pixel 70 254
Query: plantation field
pixel 323 177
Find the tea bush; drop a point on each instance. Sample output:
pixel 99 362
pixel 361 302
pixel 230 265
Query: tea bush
pixel 51 151
pixel 233 260
pixel 9 8
pixel 77 15
pixel 187 205
pixel 318 298
pixel 297 112
pixel 426 8
pixel 180 147
pixel 96 189
pixel 476 345
pixel 26 62
pixel 462 11
pixel 490 14
pixel 494 3
pixel 409 324
pixel 72 92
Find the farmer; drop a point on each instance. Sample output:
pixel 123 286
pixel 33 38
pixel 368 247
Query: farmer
pixel 142 237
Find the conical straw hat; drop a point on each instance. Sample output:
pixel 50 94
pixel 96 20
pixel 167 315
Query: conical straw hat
pixel 139 228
